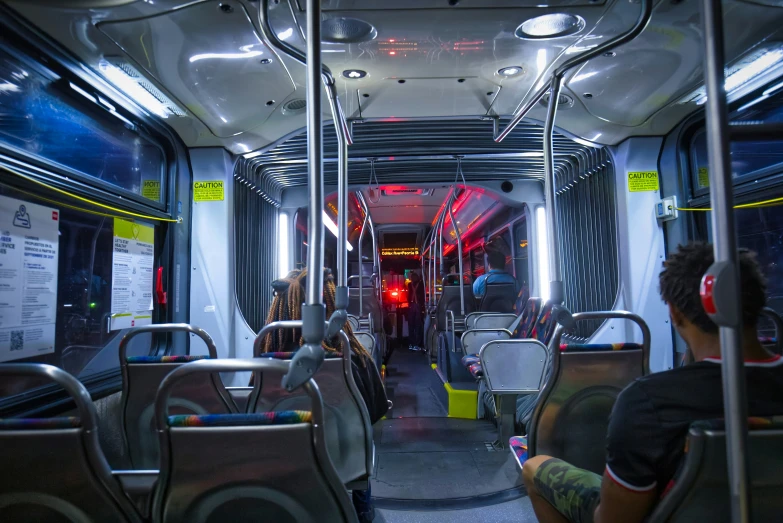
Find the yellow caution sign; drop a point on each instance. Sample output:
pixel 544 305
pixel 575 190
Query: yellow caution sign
pixel 643 181
pixel 704 178
pixel 208 191
pixel 150 189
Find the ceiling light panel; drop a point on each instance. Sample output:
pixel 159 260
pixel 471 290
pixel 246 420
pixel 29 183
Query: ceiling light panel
pixel 198 54
pixel 553 25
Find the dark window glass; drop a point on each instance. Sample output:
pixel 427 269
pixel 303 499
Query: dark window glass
pixel 761 230
pixel 46 117
pixel 747 158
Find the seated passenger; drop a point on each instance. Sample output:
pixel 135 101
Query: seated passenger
pixel 287 305
pixel 497 273
pixel 650 421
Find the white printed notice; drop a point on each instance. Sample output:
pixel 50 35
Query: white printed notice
pixel 29 244
pixel 131 281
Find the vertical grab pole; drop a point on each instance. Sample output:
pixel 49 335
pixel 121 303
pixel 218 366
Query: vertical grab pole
pixel 309 357
pixel 459 255
pixel 556 285
pixel 340 315
pixel 720 286
pixel 361 263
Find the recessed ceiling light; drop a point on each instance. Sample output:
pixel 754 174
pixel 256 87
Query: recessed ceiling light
pixel 354 74
pixel 511 71
pixel 553 25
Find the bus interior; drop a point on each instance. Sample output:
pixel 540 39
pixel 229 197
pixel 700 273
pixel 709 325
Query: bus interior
pixel 160 170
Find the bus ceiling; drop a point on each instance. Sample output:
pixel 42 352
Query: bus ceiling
pixel 457 62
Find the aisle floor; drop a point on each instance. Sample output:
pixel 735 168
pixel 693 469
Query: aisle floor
pixel 413 387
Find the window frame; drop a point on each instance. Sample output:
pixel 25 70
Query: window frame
pixel 61 75
pixel 31 47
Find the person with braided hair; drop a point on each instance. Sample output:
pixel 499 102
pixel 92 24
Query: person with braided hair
pixel 287 305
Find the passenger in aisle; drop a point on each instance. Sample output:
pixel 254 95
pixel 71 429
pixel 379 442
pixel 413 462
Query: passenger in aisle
pixel 287 305
pixel 651 417
pixel 416 312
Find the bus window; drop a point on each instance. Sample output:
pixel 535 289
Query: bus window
pixel 54 120
pixel 756 169
pixel 84 296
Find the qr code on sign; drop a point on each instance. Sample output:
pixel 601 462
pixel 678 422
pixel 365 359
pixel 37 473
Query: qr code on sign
pixel 17 340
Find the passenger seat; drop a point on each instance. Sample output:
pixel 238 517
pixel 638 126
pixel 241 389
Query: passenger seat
pixel 53 468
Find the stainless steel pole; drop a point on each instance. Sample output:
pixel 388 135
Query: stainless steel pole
pixel 725 271
pixel 459 255
pixel 315 153
pixel 556 284
pixel 310 356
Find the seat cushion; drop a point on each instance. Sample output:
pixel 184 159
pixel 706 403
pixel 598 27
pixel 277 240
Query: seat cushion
pixel 164 359
pixel 476 370
pixel 598 347
pixel 470 359
pixel 40 423
pixel 283 417
pixel 518 447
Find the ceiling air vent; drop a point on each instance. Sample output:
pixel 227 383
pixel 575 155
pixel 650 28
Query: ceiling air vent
pixel 563 101
pixel 295 106
pixel 347 31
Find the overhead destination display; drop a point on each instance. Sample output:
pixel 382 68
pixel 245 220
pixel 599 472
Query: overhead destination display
pixel 400 251
pixel 29 248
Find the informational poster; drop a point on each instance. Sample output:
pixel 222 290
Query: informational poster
pixel 29 246
pixel 132 269
pixel 643 181
pixel 208 191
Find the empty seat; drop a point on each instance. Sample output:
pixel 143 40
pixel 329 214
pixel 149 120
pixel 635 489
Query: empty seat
pixel 348 427
pixel 270 467
pixel 53 468
pixel 499 297
pixel 570 417
pixel 141 376
pixel 532 322
pixel 700 490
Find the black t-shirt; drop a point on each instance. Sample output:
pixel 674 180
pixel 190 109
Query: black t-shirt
pixel 650 421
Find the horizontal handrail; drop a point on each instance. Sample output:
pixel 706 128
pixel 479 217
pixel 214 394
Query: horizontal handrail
pixel 167 327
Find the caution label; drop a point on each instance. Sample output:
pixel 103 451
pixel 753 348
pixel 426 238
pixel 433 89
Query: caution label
pixel 643 181
pixel 151 190
pixel 208 191
pixel 704 178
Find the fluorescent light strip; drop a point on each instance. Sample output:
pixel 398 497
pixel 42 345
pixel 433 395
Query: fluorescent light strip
pixel 283 264
pixel 542 246
pixel 133 86
pixel 229 56
pixel 333 228
pixel 749 73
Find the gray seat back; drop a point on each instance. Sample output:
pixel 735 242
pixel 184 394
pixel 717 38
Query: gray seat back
pixel 348 429
pixel 53 468
pixel 370 306
pixel 514 366
pixel 701 491
pixel 141 376
pixel 368 342
pixel 450 301
pixel 571 415
pixel 499 297
pixel 272 468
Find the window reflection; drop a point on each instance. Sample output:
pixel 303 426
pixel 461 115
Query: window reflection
pixel 44 117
